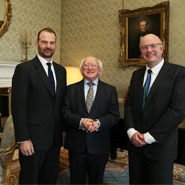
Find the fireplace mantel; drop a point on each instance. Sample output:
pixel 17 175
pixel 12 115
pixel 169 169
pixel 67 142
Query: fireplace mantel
pixel 6 73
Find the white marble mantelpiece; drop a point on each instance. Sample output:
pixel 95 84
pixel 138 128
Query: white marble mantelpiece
pixel 6 73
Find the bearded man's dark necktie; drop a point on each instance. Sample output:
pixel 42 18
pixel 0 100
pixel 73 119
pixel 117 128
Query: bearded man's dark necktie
pixel 51 78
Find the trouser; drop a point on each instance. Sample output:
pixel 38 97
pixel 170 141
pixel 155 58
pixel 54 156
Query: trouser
pixel 93 164
pixel 41 167
pixel 143 170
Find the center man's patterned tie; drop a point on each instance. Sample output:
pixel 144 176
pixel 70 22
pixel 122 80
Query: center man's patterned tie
pixel 90 96
pixel 146 87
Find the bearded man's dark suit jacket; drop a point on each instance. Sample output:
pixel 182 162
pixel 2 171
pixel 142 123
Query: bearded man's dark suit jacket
pixel 163 112
pixel 36 113
pixel 105 108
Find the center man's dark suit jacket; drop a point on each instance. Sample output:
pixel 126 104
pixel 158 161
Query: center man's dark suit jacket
pixel 105 108
pixel 163 112
pixel 36 113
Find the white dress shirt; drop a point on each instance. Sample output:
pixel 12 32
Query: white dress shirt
pixel 45 66
pixel 86 87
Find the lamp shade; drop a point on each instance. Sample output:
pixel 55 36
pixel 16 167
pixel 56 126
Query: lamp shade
pixel 73 74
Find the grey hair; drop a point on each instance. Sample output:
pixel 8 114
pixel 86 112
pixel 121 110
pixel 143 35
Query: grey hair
pixel 161 44
pixel 100 65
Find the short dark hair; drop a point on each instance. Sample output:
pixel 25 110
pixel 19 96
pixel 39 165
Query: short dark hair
pixel 47 30
pixel 141 20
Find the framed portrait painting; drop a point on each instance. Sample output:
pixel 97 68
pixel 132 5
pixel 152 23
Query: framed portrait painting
pixel 137 23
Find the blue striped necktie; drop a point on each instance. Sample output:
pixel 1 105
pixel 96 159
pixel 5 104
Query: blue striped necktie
pixel 51 78
pixel 146 87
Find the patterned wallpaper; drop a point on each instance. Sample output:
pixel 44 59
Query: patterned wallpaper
pixel 91 27
pixel 86 27
pixel 2 9
pixel 30 15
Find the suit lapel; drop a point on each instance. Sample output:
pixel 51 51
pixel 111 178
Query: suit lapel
pixel 140 86
pixel 41 72
pixel 161 77
pixel 80 91
pixel 59 80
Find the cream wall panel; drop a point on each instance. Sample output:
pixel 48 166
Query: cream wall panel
pixel 91 27
pixel 2 10
pixel 31 15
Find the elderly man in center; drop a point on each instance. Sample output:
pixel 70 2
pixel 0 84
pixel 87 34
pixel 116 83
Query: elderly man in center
pixel 90 109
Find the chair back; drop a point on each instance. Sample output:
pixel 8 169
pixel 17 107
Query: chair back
pixel 8 137
pixel 2 169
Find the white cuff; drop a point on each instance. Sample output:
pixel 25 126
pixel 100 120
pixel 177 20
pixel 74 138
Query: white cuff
pixel 131 132
pixel 21 142
pixel 80 125
pixel 149 139
pixel 97 120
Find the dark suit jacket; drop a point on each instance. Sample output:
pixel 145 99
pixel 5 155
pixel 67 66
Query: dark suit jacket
pixel 105 108
pixel 163 112
pixel 36 113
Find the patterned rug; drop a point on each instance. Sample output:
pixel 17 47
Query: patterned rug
pixel 119 169
pixel 116 172
pixel 119 165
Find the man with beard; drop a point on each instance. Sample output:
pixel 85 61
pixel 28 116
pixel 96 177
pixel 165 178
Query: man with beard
pixel 38 88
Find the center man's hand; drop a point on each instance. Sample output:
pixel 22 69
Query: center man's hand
pixel 95 126
pixel 87 123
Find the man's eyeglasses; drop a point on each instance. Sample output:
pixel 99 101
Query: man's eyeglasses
pixel 92 65
pixel 152 46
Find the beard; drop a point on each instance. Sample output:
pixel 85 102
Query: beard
pixel 42 52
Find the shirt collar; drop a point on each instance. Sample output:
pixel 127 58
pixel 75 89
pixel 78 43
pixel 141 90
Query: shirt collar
pixel 95 81
pixel 157 67
pixel 44 61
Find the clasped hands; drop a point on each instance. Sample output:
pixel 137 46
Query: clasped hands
pixel 138 139
pixel 90 125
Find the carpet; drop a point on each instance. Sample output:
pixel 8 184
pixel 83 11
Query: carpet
pixel 119 165
pixel 116 171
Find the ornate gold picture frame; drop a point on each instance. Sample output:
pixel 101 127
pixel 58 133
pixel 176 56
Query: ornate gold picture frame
pixel 6 22
pixel 137 23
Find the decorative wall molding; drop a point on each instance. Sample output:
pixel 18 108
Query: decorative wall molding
pixel 6 73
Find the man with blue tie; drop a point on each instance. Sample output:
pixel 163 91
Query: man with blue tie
pixel 90 109
pixel 154 108
pixel 38 88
